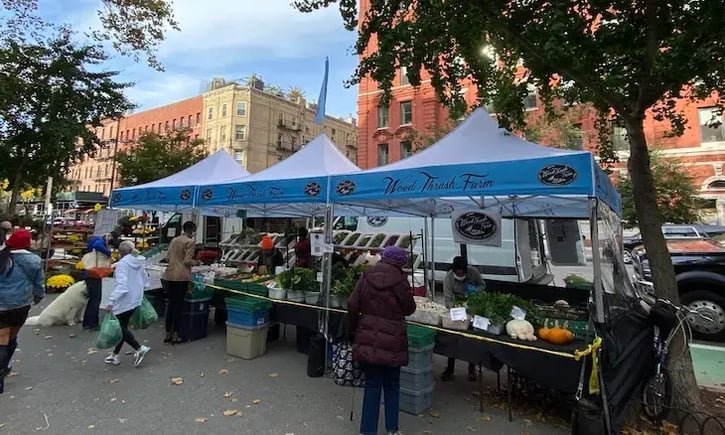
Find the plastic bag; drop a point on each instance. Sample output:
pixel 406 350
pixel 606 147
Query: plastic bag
pixel 110 333
pixel 144 316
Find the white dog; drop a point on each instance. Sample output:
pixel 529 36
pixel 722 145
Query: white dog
pixel 66 309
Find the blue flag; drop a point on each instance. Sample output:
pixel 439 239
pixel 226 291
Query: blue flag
pixel 320 115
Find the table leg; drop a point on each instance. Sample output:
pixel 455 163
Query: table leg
pixel 480 388
pixel 498 381
pixel 510 388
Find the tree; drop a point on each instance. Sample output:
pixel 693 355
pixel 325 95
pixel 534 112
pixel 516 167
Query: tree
pixel 676 194
pixel 628 59
pixel 49 96
pixel 295 93
pixel 156 156
pixel 422 140
pixel 134 27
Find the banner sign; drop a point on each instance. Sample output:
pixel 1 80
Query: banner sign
pixel 476 227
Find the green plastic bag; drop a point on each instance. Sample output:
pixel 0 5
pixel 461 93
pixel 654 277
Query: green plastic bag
pixel 144 316
pixel 110 333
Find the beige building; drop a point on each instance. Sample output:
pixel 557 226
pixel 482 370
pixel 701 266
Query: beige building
pixel 259 128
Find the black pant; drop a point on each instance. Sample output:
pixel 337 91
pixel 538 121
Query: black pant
pixel 452 366
pixel 176 291
pixel 128 337
pixel 90 317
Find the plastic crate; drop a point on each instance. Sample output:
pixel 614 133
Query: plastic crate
pixel 194 306
pixel 194 326
pixel 230 284
pixel 247 343
pixel 416 402
pixel 248 304
pixel 421 357
pixel 247 319
pixel 257 289
pixel 416 379
pixel 582 330
pixel 420 336
pixel 205 293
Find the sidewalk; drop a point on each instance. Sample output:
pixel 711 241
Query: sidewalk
pixel 709 363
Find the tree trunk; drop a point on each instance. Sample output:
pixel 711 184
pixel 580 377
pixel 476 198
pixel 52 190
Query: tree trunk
pixel 15 192
pixel 686 394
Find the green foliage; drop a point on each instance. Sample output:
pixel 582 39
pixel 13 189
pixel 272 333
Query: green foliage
pixel 578 281
pixel 50 93
pixel 497 307
pixel 134 28
pixel 158 156
pixel 345 283
pixel 298 278
pixel 676 194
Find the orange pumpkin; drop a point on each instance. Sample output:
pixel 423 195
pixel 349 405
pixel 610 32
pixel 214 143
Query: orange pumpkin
pixel 560 335
pixel 545 331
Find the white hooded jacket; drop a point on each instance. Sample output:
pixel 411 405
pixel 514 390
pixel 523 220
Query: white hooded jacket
pixel 131 282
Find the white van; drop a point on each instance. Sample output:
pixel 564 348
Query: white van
pixel 517 262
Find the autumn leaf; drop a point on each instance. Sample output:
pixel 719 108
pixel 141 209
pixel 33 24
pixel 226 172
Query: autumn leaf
pixel 435 414
pixel 223 372
pixel 273 375
pixel 177 380
pixel 228 394
pixel 231 412
pixel 114 381
pixel 256 402
pixel 201 419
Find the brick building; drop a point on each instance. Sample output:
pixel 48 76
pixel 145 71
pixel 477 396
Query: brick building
pixel 383 132
pixel 94 174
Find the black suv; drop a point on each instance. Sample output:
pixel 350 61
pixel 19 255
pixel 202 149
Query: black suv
pixel 674 232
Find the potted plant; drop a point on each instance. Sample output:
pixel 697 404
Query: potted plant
pixel 297 281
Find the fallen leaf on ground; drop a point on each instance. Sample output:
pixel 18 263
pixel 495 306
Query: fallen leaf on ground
pixel 12 374
pixel 230 412
pixel 93 426
pixel 256 402
pixel 273 375
pixel 72 335
pixel 435 414
pixel 234 399
pixel 527 422
pixel 485 418
pixel 228 394
pixel 36 331
pixel 47 337
pixel 201 374
pixel 113 399
pixel 177 380
pixel 248 406
pixel 91 351
pixel 28 388
pixel 114 381
pixel 122 420
pixel 201 419
pixel 223 372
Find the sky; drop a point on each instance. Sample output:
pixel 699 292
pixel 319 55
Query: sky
pixel 233 39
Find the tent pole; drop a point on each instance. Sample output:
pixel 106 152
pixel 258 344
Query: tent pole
pixel 598 291
pixel 433 255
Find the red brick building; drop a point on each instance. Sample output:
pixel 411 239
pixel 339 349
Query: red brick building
pixel 383 132
pixel 95 174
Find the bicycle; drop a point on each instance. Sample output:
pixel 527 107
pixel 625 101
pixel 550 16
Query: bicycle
pixel 667 319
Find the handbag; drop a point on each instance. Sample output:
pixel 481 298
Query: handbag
pixel 347 372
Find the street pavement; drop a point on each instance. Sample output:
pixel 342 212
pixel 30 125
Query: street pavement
pixel 61 386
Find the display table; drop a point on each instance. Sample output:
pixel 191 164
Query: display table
pixel 305 316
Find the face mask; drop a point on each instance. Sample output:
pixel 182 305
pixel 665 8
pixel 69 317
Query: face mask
pixel 459 277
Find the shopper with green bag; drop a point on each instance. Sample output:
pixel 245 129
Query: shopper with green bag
pixel 109 333
pixel 144 316
pixel 131 280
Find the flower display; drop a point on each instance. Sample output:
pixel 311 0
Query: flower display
pixel 60 281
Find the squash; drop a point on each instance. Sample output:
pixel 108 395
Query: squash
pixel 520 330
pixel 560 335
pixel 544 331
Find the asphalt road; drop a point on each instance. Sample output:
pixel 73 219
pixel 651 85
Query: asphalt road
pixel 61 386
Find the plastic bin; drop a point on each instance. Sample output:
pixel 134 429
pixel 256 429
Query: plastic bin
pixel 416 402
pixel 194 326
pixel 416 379
pixel 257 289
pixel 244 318
pixel 196 305
pixel 246 343
pixel 420 336
pixel 248 304
pixel 420 357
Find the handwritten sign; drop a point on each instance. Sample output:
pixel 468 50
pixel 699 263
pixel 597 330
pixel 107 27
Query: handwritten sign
pixel 518 313
pixel 459 314
pixel 481 323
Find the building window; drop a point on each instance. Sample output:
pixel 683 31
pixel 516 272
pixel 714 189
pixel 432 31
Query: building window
pixel 240 132
pixel 382 154
pixel 241 108
pixel 293 142
pixel 121 137
pixel 166 125
pixel 406 113
pixel 224 110
pixel 198 118
pixel 173 124
pixel 307 128
pixel 208 135
pixel 404 76
pixel 210 113
pixel 239 157
pixel 181 123
pixel 574 138
pixel 333 132
pixel 223 133
pixel 279 141
pixel 619 137
pixel 383 117
pixel 530 99
pixel 133 134
pixel 406 150
pixel 305 140
pixel 110 134
pixel 712 128
pixel 280 118
pixel 294 122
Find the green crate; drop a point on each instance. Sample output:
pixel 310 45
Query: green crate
pixel 248 304
pixel 420 336
pixel 230 284
pixel 206 293
pixel 257 289
pixel 582 330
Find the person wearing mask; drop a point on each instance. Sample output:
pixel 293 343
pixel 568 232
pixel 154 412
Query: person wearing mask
pixel 460 282
pixel 177 275
pixel 22 282
pixel 303 249
pixel 376 311
pixel 131 280
pixel 269 257
pixel 98 256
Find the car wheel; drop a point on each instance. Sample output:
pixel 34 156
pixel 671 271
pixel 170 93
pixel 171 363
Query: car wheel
pixel 711 305
pixel 627 256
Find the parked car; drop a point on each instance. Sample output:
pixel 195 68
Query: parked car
pixel 671 232
pixel 700 272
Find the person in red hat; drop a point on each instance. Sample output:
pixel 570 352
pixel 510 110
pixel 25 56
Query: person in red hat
pixel 269 257
pixel 22 282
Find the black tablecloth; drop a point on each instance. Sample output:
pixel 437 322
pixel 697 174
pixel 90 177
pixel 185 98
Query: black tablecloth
pixel 551 371
pixel 303 316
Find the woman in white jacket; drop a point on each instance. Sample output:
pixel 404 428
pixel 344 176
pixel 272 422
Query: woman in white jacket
pixel 131 281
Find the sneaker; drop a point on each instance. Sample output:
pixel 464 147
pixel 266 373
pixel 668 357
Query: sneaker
pixel 139 354
pixel 397 432
pixel 447 375
pixel 112 359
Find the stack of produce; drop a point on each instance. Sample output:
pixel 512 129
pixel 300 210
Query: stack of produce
pixel 427 312
pixel 416 379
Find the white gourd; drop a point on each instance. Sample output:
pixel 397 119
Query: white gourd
pixel 520 330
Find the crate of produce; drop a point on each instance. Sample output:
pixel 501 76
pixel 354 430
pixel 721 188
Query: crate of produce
pixel 581 330
pixel 196 305
pixel 428 317
pixel 577 313
pixel 455 325
pixel 420 336
pixel 248 304
pixel 257 289
pixel 416 402
pixel 247 319
pixel 201 293
pixel 416 379
pixel 194 326
pixel 245 342
pixel 420 357
pixel 231 284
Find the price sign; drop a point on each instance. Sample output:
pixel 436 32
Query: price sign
pixel 481 322
pixel 518 313
pixel 459 314
pixel 319 276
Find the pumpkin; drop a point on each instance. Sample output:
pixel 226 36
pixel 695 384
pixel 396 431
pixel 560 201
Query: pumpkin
pixel 544 331
pixel 560 335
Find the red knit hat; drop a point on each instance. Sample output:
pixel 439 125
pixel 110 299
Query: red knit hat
pixel 267 243
pixel 19 240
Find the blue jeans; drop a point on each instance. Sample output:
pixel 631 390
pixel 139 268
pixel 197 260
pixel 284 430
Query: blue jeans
pixel 377 379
